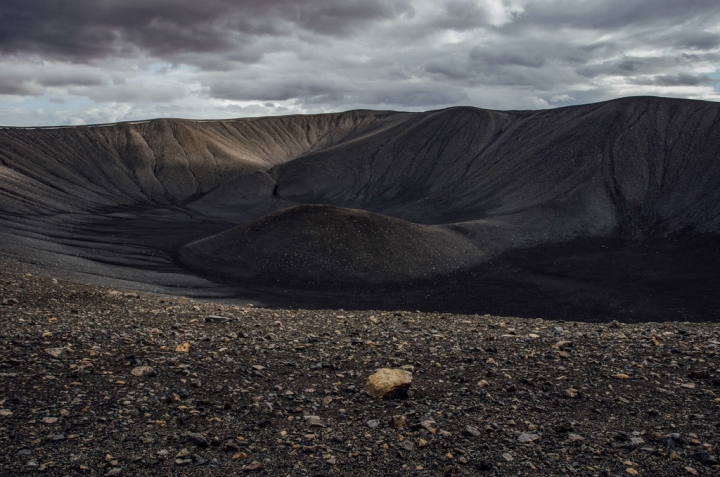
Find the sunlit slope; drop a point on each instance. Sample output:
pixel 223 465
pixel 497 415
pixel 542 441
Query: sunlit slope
pixel 162 162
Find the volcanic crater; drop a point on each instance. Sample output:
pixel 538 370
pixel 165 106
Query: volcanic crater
pixel 585 212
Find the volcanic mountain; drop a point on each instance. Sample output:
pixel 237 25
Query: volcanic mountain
pixel 601 211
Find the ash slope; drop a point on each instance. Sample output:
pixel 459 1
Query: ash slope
pixel 632 168
pixel 571 212
pixel 321 244
pixel 161 163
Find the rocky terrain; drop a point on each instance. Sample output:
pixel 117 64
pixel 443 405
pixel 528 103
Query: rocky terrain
pixel 98 381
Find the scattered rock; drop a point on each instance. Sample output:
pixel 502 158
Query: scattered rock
pixel 182 454
pixel 398 421
pixel 471 431
pixel 571 393
pixel 253 466
pixel 389 383
pixel 408 445
pixel 373 423
pixel 241 394
pixel 56 352
pixel 183 348
pixel 143 371
pixel 526 437
pixel 634 443
pixel 704 458
pixel 217 319
pixel 563 344
pixel 430 425
pixel 315 421
pixel 565 426
pixel 673 440
pixel 199 439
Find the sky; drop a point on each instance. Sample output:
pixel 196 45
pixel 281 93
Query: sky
pixel 71 62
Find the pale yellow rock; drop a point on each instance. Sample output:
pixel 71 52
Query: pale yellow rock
pixel 183 348
pixel 388 382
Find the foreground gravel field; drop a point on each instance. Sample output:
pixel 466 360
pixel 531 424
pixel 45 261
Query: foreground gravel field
pixel 95 381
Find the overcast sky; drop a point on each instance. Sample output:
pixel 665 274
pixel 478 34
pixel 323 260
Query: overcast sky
pixel 95 61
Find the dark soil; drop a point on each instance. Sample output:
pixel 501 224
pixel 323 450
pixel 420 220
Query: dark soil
pixel 508 396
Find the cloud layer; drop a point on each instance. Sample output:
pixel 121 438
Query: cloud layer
pixel 80 61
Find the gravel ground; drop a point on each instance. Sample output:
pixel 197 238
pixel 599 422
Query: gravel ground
pixel 95 381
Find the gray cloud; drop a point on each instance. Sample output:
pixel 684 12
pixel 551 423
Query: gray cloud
pixel 462 15
pixel 10 85
pixel 70 78
pixel 613 14
pixel 698 41
pixel 131 59
pixel 680 79
pixel 508 56
pixel 276 89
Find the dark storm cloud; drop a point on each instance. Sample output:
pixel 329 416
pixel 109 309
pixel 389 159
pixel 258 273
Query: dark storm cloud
pixel 82 30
